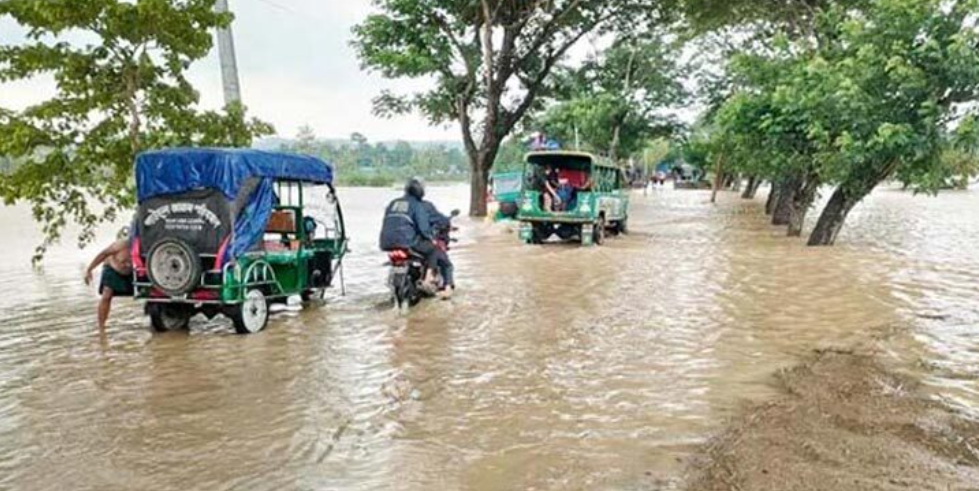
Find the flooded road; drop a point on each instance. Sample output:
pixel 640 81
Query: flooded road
pixel 554 368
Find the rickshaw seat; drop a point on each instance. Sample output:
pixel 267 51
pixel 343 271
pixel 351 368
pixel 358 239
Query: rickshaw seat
pixel 576 178
pixel 282 222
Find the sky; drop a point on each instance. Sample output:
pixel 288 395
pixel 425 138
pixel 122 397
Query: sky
pixel 296 67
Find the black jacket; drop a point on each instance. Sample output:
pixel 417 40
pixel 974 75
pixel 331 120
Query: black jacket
pixel 406 221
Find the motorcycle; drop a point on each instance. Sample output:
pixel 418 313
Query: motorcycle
pixel 407 273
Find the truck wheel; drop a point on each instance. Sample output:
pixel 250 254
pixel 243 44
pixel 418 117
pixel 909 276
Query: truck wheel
pixel 170 317
pixel 173 267
pixel 599 232
pixel 540 233
pixel 252 315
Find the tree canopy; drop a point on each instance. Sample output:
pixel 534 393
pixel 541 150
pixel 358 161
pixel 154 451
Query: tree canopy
pixel 615 102
pixel 120 88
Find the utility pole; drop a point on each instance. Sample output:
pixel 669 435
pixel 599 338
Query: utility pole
pixel 229 62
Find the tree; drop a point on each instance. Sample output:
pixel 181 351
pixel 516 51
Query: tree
pixel 117 95
pixel 490 60
pixel 305 141
pixel 872 93
pixel 960 167
pixel 613 102
pixel 358 139
pixel 908 78
pixel 771 127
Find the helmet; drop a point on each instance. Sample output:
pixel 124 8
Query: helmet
pixel 415 187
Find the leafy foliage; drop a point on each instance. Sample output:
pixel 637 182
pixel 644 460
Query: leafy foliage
pixel 119 69
pixel 614 102
pixel 361 163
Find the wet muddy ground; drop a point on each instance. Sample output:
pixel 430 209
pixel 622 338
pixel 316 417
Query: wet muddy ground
pixel 554 368
pixel 845 422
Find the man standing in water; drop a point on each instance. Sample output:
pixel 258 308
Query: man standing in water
pixel 117 274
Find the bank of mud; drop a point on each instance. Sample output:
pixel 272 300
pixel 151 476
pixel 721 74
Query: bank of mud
pixel 843 422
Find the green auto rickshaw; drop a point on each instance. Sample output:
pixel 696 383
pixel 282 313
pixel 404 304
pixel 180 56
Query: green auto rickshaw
pixel 505 190
pixel 230 231
pixel 591 198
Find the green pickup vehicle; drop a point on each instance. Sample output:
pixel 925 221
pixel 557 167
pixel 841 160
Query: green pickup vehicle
pixel 590 198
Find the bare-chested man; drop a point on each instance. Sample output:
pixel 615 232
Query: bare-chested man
pixel 117 274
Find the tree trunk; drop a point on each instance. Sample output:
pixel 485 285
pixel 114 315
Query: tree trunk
pixel 846 196
pixel 801 204
pixel 751 188
pixel 718 180
pixel 478 185
pixel 831 220
pixel 480 165
pixel 614 146
pixel 786 194
pixel 772 199
pixel 837 209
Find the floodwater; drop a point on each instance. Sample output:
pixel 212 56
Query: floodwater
pixel 555 367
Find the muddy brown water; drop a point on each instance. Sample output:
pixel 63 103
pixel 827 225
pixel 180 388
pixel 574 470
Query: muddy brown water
pixel 555 367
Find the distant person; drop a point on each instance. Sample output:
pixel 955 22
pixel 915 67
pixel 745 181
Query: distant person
pixel 117 274
pixel 551 182
pixel 565 193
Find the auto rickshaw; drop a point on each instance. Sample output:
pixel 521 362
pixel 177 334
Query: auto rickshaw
pixel 229 231
pixel 505 192
pixel 596 200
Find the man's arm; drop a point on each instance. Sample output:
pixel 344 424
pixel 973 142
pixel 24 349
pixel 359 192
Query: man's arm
pixel 100 258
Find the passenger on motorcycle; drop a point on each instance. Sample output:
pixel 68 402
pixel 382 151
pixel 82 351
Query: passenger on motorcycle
pixel 440 222
pixel 407 225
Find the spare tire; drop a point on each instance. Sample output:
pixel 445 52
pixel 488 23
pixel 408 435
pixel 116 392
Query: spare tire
pixel 173 267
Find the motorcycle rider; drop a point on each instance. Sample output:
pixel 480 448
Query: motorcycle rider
pixel 408 225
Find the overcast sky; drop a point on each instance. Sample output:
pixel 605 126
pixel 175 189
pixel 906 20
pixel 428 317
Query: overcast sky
pixel 296 68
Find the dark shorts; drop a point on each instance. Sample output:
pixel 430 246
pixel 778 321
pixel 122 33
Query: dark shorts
pixel 121 285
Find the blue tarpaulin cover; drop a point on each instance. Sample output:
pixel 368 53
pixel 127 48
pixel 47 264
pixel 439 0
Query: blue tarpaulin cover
pixel 179 170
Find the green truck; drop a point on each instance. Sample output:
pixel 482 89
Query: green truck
pixel 573 195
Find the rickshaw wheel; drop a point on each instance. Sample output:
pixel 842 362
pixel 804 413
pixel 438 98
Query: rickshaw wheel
pixel 252 315
pixel 170 317
pixel 173 267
